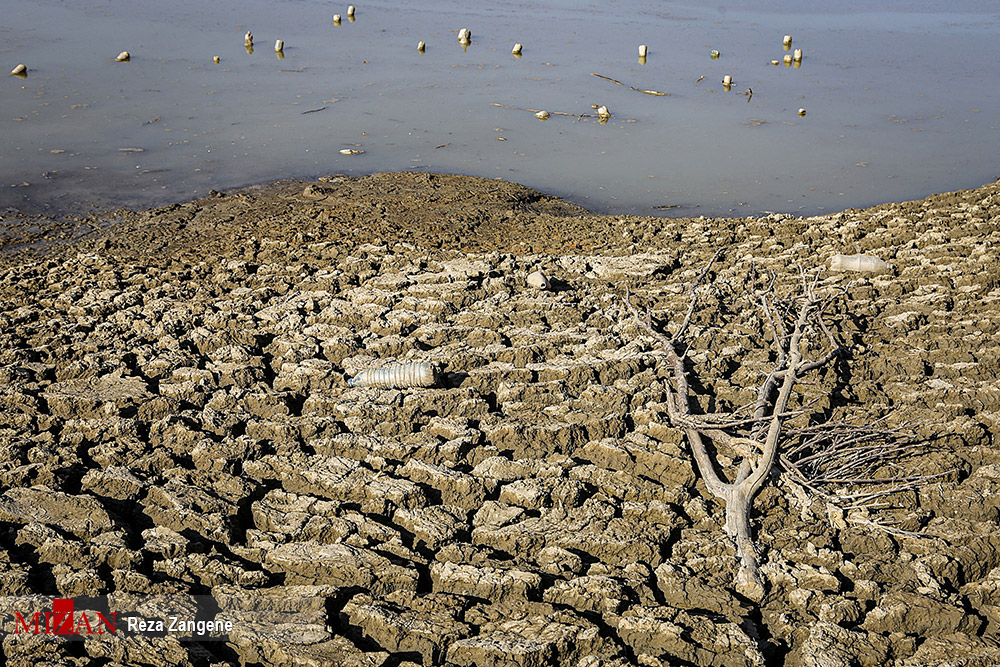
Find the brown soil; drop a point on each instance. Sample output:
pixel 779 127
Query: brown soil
pixel 175 421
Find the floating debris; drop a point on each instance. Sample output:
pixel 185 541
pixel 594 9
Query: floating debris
pixel 21 71
pixel 541 114
pixel 421 46
pixel 638 90
pixel 642 50
pixel 398 376
pixel 714 54
pixel 727 80
pixel 516 51
pixel 787 42
pixel 602 112
pixel 464 35
pixel 248 39
pixel 788 59
pixel 776 62
pixel 123 57
pixel 607 78
pixel 797 55
pixel 350 11
pixel 279 46
pixel 314 110
pixel 351 151
pixel 802 112
pixel 336 19
pixel 216 59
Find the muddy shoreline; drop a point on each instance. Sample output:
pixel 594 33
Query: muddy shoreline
pixel 176 421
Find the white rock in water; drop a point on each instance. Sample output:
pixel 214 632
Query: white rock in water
pixel 857 263
pixel 538 280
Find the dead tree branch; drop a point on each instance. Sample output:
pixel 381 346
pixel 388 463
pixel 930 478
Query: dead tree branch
pixel 758 445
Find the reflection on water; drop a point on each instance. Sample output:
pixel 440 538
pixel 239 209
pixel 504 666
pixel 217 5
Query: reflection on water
pixel 898 102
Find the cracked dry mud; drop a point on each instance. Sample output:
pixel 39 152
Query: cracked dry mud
pixel 176 420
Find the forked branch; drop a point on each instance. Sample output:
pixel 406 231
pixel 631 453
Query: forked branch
pixel 759 442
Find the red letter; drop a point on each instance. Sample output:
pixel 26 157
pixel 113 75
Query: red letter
pixel 62 617
pixel 19 621
pixel 102 622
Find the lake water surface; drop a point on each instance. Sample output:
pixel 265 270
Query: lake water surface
pixel 901 100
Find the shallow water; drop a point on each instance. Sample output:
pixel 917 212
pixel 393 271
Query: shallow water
pixel 900 102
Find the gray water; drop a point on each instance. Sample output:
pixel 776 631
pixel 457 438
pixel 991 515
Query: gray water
pixel 900 102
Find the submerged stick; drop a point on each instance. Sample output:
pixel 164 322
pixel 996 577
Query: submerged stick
pixel 638 90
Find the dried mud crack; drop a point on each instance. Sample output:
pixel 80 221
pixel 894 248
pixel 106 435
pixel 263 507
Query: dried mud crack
pixel 176 423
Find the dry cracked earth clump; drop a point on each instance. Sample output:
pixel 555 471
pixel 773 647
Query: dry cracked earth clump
pixel 175 421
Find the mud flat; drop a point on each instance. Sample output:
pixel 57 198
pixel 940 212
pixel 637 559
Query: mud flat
pixel 175 420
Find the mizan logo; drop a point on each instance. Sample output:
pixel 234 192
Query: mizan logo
pixel 63 620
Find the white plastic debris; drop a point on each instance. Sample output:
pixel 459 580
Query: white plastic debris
pixel 857 263
pixel 398 376
pixel 538 280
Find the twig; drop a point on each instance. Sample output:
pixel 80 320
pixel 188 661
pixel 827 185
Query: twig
pixel 607 78
pixel 638 90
